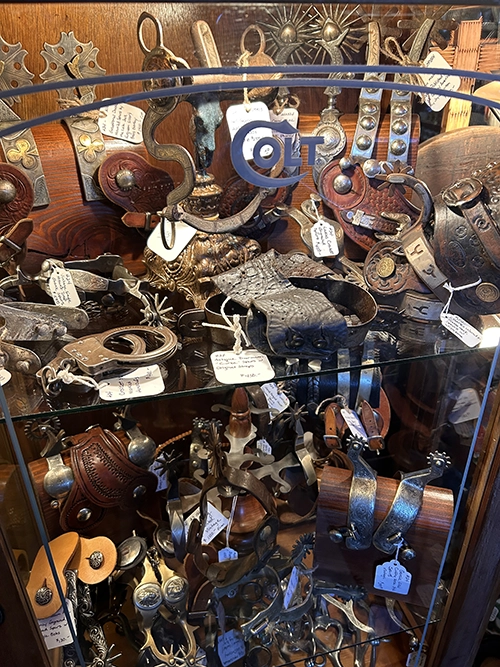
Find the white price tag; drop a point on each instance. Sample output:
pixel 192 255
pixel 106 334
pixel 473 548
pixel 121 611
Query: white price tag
pixel 392 577
pixel 354 423
pixel 494 614
pixel 249 366
pixel 441 82
pixel 156 469
pixel 62 288
pixel 230 647
pixel 467 406
pixel 275 398
pixel 264 446
pixel 122 121
pixel 227 554
pixel 146 381
pixel 293 582
pixel 238 115
pixel 324 239
pixel 183 234
pixel 411 661
pixel 215 523
pixel 461 329
pixel 5 376
pixel 55 629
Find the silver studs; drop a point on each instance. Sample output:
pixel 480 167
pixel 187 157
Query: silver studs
pixel 345 163
pixel 342 184
pixel 399 110
pixel 369 108
pixel 139 491
pixel 363 142
pixel 399 126
pixel 398 147
pixel 367 123
pixel 371 168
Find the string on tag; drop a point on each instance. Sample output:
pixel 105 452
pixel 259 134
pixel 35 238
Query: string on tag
pixel 243 61
pixel 452 290
pixel 231 517
pixel 234 326
pixel 68 377
pixel 393 50
pixel 398 547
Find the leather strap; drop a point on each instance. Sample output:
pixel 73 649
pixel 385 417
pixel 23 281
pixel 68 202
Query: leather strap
pixel 332 429
pixel 12 240
pixel 104 478
pixel 369 421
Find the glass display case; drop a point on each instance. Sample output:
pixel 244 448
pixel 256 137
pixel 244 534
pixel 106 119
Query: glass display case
pixel 249 333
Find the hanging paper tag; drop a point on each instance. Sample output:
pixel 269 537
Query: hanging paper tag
pixel 441 82
pixel 411 661
pixel 183 234
pixel 122 121
pixel 237 116
pixel 392 577
pixel 461 329
pixel 467 406
pixel 264 446
pixel 293 582
pixel 230 647
pixel 5 376
pixel 324 239
pixel 157 470
pixel 354 423
pixel 249 366
pixel 275 398
pixel 62 288
pixel 55 629
pixel 227 554
pixel 146 381
pixel 215 523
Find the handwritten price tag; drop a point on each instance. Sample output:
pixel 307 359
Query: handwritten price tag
pixel 230 647
pixel 123 121
pixel 62 288
pixel 441 82
pixel 276 399
pixel 215 523
pixel 392 577
pixel 227 554
pixel 5 376
pixel 249 366
pixel 293 582
pixel 354 423
pixel 146 381
pixel 55 629
pixel 324 239
pixel 238 115
pixel 461 329
pixel 264 446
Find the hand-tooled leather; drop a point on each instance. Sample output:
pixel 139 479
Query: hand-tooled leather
pixel 467 245
pixel 366 195
pixel 22 202
pixel 104 478
pixel 387 271
pixel 150 184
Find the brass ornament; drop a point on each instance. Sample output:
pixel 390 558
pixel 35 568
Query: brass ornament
pixel 206 256
pixel 386 267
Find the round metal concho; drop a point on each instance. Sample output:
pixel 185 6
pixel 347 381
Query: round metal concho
pixel 399 110
pixel 398 146
pixel 363 142
pixel 386 267
pixel 487 292
pixel 342 184
pixel 96 560
pixel 8 192
pixel 43 595
pixel 125 179
pixel 148 597
pixel 131 552
pixel 175 589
